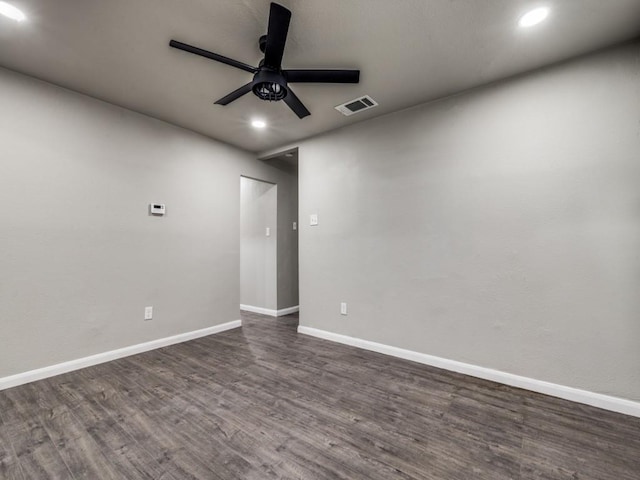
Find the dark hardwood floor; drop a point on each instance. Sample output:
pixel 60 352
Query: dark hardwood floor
pixel 263 402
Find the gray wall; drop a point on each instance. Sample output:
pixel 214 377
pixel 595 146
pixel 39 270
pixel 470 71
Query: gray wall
pixel 258 252
pixel 287 237
pixel 80 257
pixel 500 227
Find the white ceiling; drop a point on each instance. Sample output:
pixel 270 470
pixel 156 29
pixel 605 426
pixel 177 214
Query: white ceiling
pixel 409 51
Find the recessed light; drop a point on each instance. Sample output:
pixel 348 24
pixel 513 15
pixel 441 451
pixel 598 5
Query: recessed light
pixel 258 123
pixel 12 12
pixel 534 17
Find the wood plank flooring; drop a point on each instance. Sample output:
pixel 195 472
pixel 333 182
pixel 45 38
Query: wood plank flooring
pixel 263 402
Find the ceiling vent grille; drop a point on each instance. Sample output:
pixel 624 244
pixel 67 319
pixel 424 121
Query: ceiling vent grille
pixel 356 106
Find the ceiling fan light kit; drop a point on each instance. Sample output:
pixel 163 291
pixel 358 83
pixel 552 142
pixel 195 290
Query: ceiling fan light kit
pixel 270 82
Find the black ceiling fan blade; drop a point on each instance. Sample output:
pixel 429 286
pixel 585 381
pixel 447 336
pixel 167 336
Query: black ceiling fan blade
pixel 296 105
pixel 322 76
pixel 212 56
pixel 236 94
pixel 279 18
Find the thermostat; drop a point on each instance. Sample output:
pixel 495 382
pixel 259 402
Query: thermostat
pixel 157 208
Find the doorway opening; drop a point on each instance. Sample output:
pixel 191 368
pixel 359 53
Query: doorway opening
pixel 269 237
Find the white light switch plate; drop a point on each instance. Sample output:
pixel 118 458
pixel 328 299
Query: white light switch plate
pixel 343 308
pixel 148 313
pixel 313 219
pixel 268 232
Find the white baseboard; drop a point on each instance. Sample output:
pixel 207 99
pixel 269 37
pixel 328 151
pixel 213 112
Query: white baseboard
pixel 271 313
pixel 53 370
pixel 606 402
pixel 287 311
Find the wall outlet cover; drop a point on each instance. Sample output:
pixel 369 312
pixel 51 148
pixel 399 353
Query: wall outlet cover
pixel 148 313
pixel 313 219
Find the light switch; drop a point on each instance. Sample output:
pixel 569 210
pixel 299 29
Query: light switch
pixel 295 225
pixel 313 219
pixel 268 232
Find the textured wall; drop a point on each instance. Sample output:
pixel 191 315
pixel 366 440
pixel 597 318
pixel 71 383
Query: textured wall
pixel 500 227
pixel 288 241
pixel 80 257
pixel 258 252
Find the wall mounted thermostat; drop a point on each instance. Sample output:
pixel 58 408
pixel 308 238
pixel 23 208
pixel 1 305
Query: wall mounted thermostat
pixel 157 208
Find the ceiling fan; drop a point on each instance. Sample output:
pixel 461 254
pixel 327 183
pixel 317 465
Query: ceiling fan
pixel 270 82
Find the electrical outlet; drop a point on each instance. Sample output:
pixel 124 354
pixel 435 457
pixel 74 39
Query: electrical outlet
pixel 343 308
pixel 148 313
pixel 295 225
pixel 268 232
pixel 313 219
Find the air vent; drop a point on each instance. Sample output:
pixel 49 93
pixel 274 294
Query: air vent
pixel 356 106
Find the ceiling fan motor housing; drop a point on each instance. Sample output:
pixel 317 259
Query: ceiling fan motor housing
pixel 269 85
